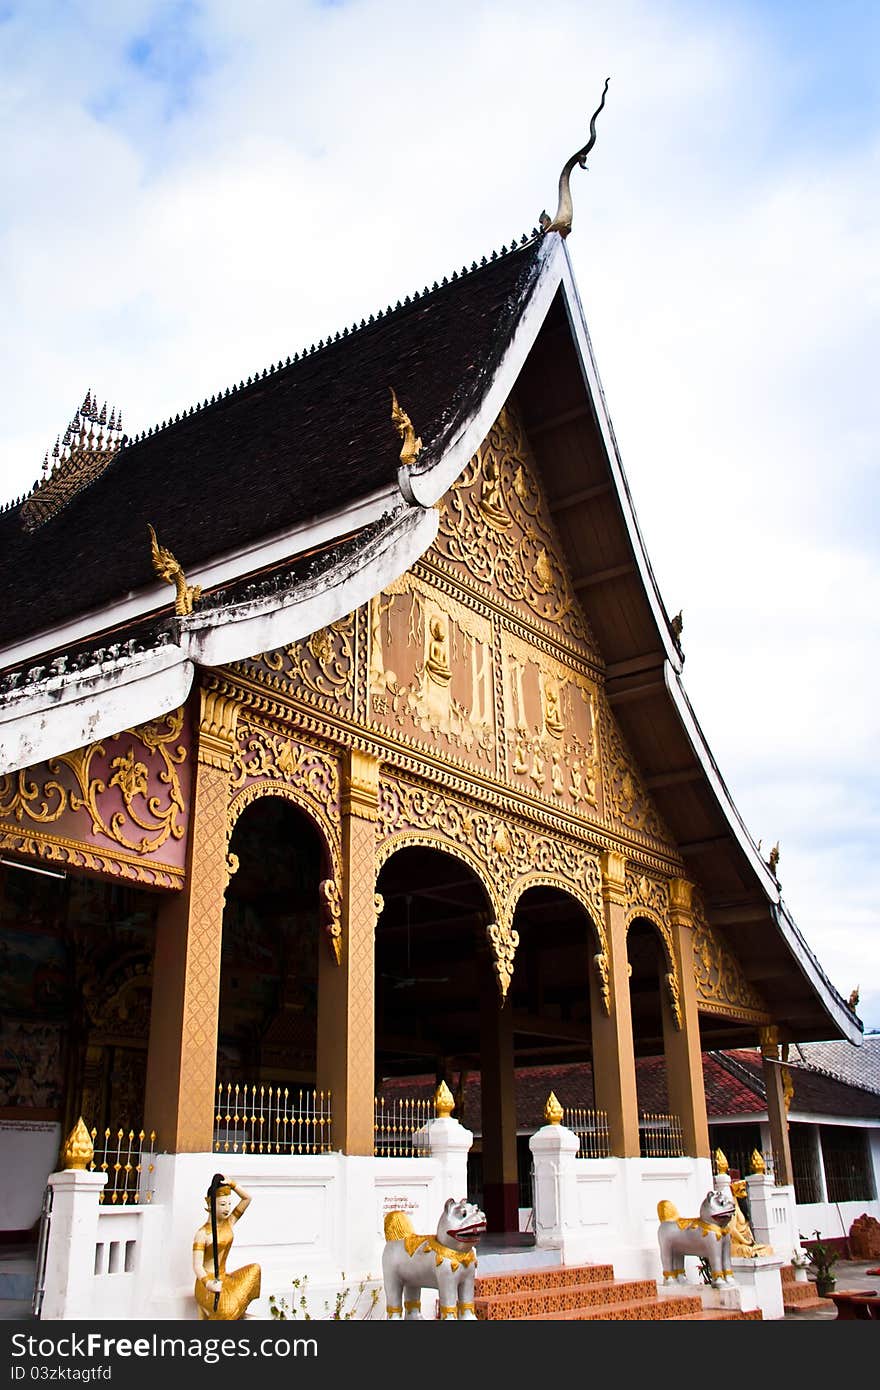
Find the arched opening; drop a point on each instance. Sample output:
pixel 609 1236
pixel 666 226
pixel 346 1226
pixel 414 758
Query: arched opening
pixel 659 1128
pixel 267 1025
pixel 552 1016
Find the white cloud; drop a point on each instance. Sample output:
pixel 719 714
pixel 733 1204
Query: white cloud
pixel 268 173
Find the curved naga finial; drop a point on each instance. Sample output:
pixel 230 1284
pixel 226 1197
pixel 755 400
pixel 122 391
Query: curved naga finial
pixel 169 570
pixel 562 221
pixel 404 426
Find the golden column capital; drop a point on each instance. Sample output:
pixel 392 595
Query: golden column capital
pixel 218 722
pixel 613 867
pixel 360 785
pixel 769 1040
pixel 681 893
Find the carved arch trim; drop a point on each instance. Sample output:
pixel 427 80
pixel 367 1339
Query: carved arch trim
pixel 563 885
pixel 670 978
pixel 503 940
pixel 408 839
pixel 330 889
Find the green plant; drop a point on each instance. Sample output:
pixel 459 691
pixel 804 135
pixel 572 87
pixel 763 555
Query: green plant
pixel 364 1301
pixel 823 1258
pixel 705 1271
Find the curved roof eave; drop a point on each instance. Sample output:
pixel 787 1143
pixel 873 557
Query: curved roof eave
pixel 70 710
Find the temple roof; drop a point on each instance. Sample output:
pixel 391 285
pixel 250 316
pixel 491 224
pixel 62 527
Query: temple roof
pixel 288 502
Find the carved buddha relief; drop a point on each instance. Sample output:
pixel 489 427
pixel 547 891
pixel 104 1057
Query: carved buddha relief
pixel 550 717
pixel 430 668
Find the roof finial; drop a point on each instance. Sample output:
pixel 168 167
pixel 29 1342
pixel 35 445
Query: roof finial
pixel 169 569
pixel 562 221
pixel 404 426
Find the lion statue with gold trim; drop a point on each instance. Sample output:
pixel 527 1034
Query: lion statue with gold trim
pixel 707 1236
pixel 446 1262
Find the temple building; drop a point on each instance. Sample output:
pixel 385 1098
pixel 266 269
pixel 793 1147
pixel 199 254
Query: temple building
pixel 344 738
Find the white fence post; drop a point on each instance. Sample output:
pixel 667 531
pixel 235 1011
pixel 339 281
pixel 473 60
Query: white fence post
pixel 70 1251
pixel 557 1215
pixel 772 1208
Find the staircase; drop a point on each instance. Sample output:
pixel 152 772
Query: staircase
pixel 590 1293
pixel 800 1298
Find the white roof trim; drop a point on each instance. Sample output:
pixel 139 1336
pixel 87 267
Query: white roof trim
pixel 75 709
pixel 222 570
pixel 66 712
pixel 240 631
pixel 578 323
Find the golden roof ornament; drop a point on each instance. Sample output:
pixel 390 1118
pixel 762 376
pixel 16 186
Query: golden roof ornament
pixel 404 426
pixel 757 1162
pixel 553 1111
pixel 169 570
pixel 78 1149
pixel 561 223
pixel 444 1103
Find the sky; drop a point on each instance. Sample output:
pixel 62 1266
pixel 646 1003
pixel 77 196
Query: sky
pixel 192 191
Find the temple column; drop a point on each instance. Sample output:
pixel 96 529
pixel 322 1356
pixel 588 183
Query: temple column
pixel 777 1112
pixel 614 1065
pixel 346 992
pixel 500 1175
pixel 681 1028
pixel 182 1050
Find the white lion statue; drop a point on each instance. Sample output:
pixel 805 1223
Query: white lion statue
pixel 707 1236
pixel 446 1262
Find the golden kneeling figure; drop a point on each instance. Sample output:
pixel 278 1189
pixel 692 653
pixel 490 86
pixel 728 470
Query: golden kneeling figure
pixel 211 1247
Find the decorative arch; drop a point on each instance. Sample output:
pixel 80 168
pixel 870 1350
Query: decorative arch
pixel 571 890
pixel 671 980
pixel 329 888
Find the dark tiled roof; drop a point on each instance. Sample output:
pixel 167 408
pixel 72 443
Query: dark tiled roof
pixel 300 441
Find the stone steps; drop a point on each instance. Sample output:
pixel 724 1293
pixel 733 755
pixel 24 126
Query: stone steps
pixel 799 1297
pixel 586 1293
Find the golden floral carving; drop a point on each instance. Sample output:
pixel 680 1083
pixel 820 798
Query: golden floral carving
pixel 321 665
pixel 504 941
pixel 627 799
pixel 719 976
pixel 495 523
pixel 25 796
pixel 506 858
pixel 600 960
pixel 672 991
pixel 330 896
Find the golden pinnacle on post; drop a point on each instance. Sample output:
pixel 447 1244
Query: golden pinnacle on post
pixel 553 1111
pixel 444 1103
pixel 78 1150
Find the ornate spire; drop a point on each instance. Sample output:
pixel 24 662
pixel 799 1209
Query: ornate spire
pixel 562 221
pixel 89 444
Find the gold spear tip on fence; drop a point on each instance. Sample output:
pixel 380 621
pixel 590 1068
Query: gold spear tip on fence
pixel 78 1150
pixel 757 1162
pixel 721 1162
pixel 443 1101
pixel 553 1111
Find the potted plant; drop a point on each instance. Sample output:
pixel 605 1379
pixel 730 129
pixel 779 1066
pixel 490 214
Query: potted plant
pixel 823 1258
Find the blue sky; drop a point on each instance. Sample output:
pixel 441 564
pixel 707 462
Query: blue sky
pixel 192 191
